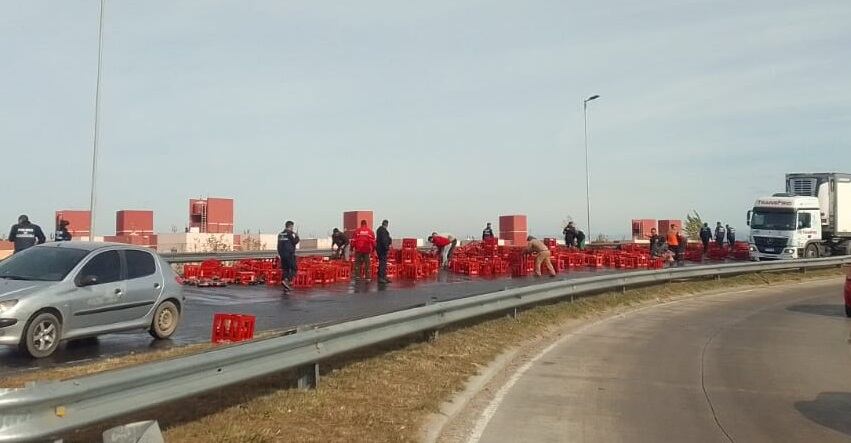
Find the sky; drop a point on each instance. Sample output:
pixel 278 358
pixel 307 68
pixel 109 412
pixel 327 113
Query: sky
pixel 437 115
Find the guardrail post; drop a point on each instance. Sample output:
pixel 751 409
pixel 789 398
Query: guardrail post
pixel 513 313
pixel 308 376
pixel 431 335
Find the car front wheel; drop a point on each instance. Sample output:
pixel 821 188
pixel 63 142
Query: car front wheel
pixel 41 336
pixel 165 321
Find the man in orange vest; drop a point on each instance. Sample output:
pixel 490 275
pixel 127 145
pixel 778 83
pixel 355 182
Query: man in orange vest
pixel 363 242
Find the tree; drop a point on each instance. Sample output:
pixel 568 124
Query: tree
pixel 693 225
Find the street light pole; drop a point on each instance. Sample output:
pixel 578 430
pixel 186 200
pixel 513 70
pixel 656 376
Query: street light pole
pixel 96 134
pixel 587 174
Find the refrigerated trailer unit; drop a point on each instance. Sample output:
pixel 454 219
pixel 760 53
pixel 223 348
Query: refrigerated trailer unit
pixel 811 219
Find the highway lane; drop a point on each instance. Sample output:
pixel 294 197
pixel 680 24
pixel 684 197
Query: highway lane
pixel 763 365
pixel 333 303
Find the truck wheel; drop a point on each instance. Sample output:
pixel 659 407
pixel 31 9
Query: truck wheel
pixel 811 251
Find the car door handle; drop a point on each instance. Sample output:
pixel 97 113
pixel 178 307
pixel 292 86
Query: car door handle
pixel 156 285
pixel 117 291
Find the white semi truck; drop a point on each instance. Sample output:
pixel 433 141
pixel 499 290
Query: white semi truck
pixel 811 219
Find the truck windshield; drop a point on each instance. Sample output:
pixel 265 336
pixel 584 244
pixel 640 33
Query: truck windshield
pixel 777 220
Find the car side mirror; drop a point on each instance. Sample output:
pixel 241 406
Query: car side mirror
pixel 88 280
pixel 749 218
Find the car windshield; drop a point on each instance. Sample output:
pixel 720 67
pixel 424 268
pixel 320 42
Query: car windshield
pixel 776 220
pixel 41 263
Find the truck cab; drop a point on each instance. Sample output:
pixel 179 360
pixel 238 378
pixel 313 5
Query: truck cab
pixel 785 226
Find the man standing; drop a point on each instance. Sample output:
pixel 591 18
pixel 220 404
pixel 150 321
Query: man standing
pixel 62 233
pixel 542 255
pixel 705 237
pixel 364 243
pixel 673 239
pixel 287 241
pixel 719 235
pixel 382 248
pixel 731 236
pixel 569 235
pixel 341 242
pixel 655 243
pixel 487 232
pixel 25 234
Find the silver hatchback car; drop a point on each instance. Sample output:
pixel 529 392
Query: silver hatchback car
pixel 68 290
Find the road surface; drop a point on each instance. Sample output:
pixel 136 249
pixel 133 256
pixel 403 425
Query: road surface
pixel 321 305
pixel 766 365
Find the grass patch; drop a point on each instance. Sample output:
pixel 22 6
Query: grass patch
pixel 385 393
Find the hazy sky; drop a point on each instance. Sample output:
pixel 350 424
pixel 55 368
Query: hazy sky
pixel 437 115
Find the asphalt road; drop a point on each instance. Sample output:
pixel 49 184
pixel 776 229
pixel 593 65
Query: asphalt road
pixel 765 365
pixel 273 311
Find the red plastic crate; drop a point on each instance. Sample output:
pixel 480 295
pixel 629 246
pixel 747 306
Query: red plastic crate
pixel 229 328
pixel 409 243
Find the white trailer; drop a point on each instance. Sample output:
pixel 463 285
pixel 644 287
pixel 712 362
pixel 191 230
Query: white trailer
pixel 812 219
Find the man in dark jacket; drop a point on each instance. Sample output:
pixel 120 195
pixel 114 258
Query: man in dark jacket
pixel 705 237
pixel 487 232
pixel 382 248
pixel 287 242
pixel 731 236
pixel 341 242
pixel 25 234
pixel 719 235
pixel 655 242
pixel 62 233
pixel 569 235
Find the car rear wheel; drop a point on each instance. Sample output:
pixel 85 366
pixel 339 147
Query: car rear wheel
pixel 165 321
pixel 848 311
pixel 41 336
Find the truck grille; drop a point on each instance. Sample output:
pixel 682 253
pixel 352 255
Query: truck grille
pixel 802 186
pixel 770 245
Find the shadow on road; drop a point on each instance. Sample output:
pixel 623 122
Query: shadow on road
pixel 826 310
pixel 829 409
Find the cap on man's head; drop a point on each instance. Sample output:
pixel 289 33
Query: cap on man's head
pixel 336 230
pixel 23 218
pixel 385 222
pixel 363 222
pixel 64 223
pixel 289 223
pixel 530 238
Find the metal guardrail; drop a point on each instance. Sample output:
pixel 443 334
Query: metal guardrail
pixel 47 409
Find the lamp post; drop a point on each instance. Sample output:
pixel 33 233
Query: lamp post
pixel 587 174
pixel 96 134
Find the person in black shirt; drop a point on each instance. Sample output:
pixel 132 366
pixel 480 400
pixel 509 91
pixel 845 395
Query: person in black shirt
pixel 487 232
pixel 382 248
pixel 705 237
pixel 341 242
pixel 25 234
pixel 569 235
pixel 287 242
pixel 62 233
pixel 655 243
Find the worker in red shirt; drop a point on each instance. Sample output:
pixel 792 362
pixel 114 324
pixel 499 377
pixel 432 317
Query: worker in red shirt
pixel 363 242
pixel 445 244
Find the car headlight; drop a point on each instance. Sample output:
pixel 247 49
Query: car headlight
pixel 6 305
pixel 752 248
